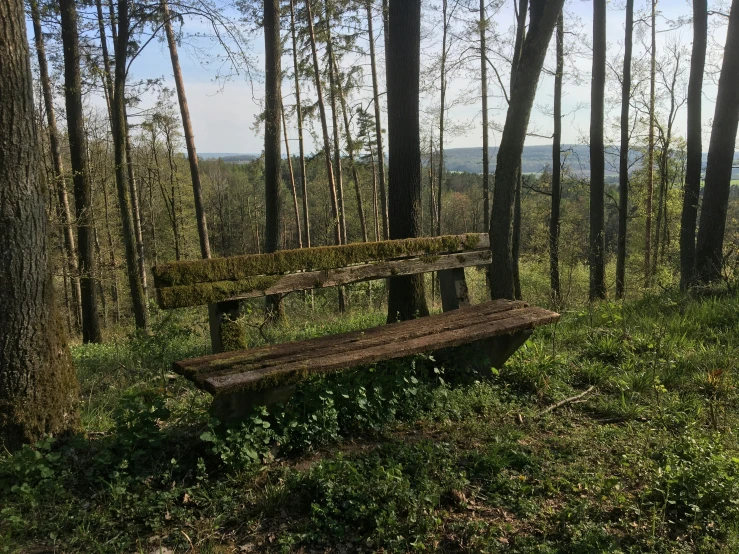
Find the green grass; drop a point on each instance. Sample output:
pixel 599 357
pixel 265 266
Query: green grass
pixel 417 455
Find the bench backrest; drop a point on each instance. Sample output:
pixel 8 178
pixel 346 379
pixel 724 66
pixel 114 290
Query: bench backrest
pixel 200 282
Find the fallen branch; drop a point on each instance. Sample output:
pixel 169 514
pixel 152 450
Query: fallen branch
pixel 569 400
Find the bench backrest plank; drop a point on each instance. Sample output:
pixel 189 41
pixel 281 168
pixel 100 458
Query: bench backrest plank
pixel 199 282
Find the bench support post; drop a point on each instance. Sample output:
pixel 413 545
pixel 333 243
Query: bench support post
pixel 225 333
pixel 453 289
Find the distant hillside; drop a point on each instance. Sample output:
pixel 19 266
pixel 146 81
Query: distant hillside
pixel 231 157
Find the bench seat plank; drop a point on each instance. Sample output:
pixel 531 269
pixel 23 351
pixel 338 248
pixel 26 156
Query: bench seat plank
pixel 182 296
pixel 277 365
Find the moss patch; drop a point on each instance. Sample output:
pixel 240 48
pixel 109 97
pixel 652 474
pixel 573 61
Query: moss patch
pixel 244 268
pixel 209 293
pixel 232 336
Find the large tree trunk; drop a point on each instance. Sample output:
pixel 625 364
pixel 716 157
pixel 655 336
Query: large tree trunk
pixel 407 298
pixel 324 127
pixel 597 154
pixel 709 250
pixel 623 172
pixel 299 112
pixel 378 122
pixel 511 144
pixel 192 156
pixel 485 124
pixel 272 129
pixel 119 145
pixel 56 160
pixel 80 176
pixel 554 218
pixel 694 162
pixel 650 151
pixel 38 387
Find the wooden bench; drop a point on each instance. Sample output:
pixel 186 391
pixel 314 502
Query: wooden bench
pixel 239 378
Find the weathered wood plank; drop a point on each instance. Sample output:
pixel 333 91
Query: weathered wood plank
pixel 521 319
pixel 194 368
pixel 209 293
pixel 311 259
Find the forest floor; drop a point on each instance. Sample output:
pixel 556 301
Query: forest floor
pixel 416 455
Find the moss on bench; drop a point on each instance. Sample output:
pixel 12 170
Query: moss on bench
pixel 245 268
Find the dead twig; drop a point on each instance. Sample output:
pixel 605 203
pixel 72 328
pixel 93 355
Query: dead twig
pixel 569 400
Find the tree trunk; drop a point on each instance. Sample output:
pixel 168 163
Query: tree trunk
pixel 293 188
pixel 350 151
pixel 623 172
pixel 378 122
pixel 272 148
pixel 511 145
pixel 339 173
pixel 691 197
pixel 324 127
pixel 709 249
pixel 135 209
pixel 56 158
pixel 299 111
pixel 554 218
pixel 485 123
pixel 442 113
pixel 38 387
pixel 597 154
pixel 650 151
pixel 407 298
pixel 375 199
pixel 119 144
pixel 80 175
pixel 192 155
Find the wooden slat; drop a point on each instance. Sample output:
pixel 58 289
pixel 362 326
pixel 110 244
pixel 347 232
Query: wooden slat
pixel 198 369
pixel 393 348
pixel 236 268
pixel 209 293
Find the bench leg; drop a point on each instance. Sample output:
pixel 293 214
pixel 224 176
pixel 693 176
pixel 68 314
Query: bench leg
pixel 225 334
pixel 499 349
pixel 453 289
pixel 237 406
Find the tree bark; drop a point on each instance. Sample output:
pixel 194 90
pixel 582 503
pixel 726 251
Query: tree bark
pixel 554 218
pixel 138 297
pixel 378 122
pixel 135 208
pixel 80 175
pixel 623 172
pixel 58 167
pixel 293 188
pixel 272 147
pixel 511 145
pixel 709 248
pixel 299 112
pixel 694 162
pixel 192 155
pixel 324 127
pixel 407 298
pixel 38 386
pixel 597 154
pixel 442 113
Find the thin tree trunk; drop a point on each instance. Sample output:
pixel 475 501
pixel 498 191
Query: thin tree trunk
pixel 597 154
pixel 124 200
pixel 192 156
pixel 38 387
pixel 378 122
pixel 650 151
pixel 694 161
pixel 555 217
pixel 56 158
pixel 442 113
pixel 623 176
pixel 709 248
pixel 375 200
pixel 135 211
pixel 511 144
pixel 299 112
pixel 324 128
pixel 91 331
pixel 485 124
pixel 407 297
pixel 293 189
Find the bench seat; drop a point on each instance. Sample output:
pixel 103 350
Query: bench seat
pixel 279 365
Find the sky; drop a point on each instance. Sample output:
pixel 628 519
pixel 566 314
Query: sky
pixel 224 113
